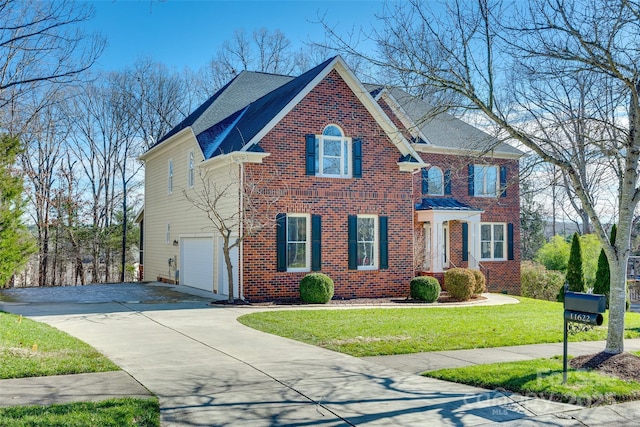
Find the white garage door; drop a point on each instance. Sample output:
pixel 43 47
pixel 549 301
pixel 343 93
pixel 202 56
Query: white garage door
pixel 196 263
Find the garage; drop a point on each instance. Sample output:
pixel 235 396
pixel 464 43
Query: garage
pixel 196 262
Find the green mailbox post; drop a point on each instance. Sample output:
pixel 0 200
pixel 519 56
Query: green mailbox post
pixel 582 308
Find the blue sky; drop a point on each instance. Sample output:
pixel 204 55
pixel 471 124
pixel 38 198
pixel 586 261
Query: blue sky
pixel 184 33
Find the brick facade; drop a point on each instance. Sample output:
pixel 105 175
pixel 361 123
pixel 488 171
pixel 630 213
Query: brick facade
pixel 383 190
pixel 502 276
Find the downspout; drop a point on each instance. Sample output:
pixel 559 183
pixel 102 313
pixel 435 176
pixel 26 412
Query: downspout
pixel 240 231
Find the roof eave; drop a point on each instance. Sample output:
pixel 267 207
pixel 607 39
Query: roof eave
pixel 428 148
pixel 157 148
pixel 237 157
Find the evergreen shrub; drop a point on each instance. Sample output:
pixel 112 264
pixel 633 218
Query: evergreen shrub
pixel 425 288
pixel 316 288
pixel 460 283
pixel 481 282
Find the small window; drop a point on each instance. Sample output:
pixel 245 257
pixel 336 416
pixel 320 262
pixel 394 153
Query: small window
pixel 298 242
pixel 333 153
pixel 485 181
pixel 435 178
pixel 492 241
pixel 168 234
pixel 367 242
pixel 170 176
pixel 191 169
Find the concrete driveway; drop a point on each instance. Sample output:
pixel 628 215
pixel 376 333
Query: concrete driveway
pixel 209 370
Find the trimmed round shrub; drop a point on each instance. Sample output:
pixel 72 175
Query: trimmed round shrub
pixel 316 288
pixel 481 282
pixel 460 283
pixel 425 288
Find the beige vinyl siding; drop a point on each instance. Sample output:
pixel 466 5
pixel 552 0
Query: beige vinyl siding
pixel 162 208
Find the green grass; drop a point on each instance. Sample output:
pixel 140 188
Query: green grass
pixel 31 349
pixel 543 378
pixel 384 331
pixel 113 412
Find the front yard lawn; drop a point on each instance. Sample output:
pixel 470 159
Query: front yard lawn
pixel 32 349
pixel 385 331
pixel 542 378
pixel 108 413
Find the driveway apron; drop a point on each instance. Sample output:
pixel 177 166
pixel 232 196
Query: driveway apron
pixel 209 370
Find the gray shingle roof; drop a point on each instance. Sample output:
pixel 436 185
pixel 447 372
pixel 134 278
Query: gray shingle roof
pixel 443 130
pixel 245 88
pixel 235 131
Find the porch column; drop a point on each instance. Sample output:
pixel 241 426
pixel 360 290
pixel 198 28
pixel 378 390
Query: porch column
pixel 437 247
pixel 474 244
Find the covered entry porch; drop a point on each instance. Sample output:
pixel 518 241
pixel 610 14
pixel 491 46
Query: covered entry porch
pixel 450 235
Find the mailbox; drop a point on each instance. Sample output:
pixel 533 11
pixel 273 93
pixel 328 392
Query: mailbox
pixel 586 303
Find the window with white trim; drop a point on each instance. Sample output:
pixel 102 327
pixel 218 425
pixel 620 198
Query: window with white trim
pixel 367 242
pixel 493 242
pixel 333 150
pixel 170 176
pixel 485 181
pixel 191 169
pixel 435 181
pixel 167 236
pixel 298 242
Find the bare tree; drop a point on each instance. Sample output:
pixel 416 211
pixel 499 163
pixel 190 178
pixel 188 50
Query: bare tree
pixel 155 97
pixel 42 43
pixel 252 202
pixel 484 52
pixel 45 141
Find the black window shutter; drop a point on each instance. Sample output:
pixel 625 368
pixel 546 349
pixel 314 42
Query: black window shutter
pixel 316 243
pixel 447 182
pixel 471 189
pixel 384 241
pixel 425 181
pixel 510 255
pixel 356 157
pixel 503 181
pixel 310 154
pixel 353 242
pixel 465 241
pixel 281 242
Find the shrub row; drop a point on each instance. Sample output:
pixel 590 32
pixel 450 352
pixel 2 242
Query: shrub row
pixel 461 283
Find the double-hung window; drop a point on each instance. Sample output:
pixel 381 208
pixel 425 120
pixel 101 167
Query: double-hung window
pixel 298 242
pixel 367 242
pixel 333 153
pixel 493 241
pixel 485 181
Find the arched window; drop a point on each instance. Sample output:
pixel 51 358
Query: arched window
pixel 435 181
pixel 334 153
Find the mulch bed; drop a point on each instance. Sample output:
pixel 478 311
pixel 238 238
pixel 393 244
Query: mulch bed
pixel 625 366
pixel 443 299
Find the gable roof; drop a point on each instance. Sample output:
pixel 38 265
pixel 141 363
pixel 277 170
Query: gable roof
pixel 243 111
pixel 440 131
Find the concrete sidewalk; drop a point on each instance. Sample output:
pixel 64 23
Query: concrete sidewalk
pixel 70 388
pixel 209 370
pixel 417 363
